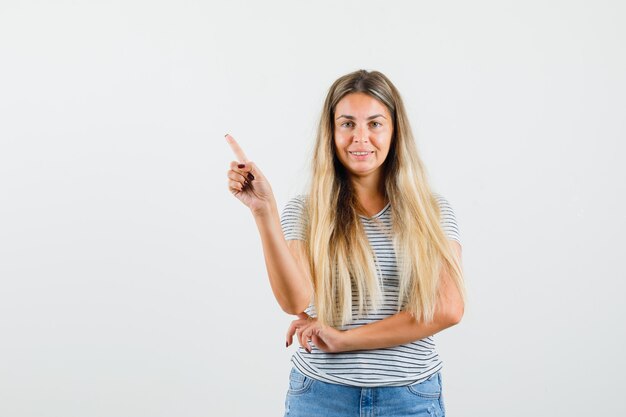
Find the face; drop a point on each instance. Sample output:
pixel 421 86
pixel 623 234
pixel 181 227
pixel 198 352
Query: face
pixel 363 129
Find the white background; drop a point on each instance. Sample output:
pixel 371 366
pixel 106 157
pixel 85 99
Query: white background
pixel 132 283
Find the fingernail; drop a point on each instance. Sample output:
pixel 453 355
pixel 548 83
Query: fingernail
pixel 241 165
pixel 226 135
pixel 250 176
pixel 286 344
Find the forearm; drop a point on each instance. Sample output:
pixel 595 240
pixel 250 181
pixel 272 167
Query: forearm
pixel 289 284
pixel 395 330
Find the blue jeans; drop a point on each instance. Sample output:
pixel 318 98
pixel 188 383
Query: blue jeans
pixel 307 397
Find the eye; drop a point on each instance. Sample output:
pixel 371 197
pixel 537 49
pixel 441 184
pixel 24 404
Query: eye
pixel 345 123
pixel 376 124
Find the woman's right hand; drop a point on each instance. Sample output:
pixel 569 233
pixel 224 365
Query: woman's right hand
pixel 247 182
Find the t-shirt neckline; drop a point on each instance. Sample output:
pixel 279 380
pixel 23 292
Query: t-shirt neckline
pixel 377 214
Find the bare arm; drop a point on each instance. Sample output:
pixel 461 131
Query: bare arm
pixel 402 328
pixel 291 286
pixel 286 266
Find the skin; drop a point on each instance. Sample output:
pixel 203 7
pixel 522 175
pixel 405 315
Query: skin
pixel 398 329
pixel 290 284
pixel 360 123
pixel 363 123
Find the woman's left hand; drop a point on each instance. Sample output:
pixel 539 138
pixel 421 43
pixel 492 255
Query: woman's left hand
pixel 326 338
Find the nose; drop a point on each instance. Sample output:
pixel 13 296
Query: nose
pixel 360 135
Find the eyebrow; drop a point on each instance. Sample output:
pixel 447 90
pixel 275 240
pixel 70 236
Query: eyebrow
pixel 352 117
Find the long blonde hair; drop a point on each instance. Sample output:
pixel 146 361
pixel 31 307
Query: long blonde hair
pixel 340 257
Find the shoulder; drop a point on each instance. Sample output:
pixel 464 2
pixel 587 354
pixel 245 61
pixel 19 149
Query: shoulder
pixel 447 217
pixel 296 203
pixel 300 199
pixel 293 218
pixel 295 207
pixel 444 204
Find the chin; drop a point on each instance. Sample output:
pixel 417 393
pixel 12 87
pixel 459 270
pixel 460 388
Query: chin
pixel 362 172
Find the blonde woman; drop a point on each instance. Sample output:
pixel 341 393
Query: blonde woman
pixel 369 259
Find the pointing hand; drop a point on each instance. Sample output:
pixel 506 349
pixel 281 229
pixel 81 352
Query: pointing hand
pixel 247 182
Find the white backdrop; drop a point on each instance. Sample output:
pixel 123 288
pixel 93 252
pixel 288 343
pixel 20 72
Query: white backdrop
pixel 133 284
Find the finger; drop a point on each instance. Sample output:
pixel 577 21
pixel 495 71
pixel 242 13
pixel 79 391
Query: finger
pixel 317 334
pixel 245 169
pixel 236 148
pixel 303 338
pixel 307 323
pixel 290 332
pixel 299 330
pixel 241 168
pixel 250 170
pixel 236 176
pixel 315 337
pixel 235 186
pixel 321 343
pixel 307 336
pixel 292 329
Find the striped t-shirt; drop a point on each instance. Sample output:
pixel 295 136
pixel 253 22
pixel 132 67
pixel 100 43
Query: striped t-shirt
pixel 392 366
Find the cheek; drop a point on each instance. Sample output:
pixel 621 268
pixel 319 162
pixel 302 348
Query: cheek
pixel 340 142
pixel 383 143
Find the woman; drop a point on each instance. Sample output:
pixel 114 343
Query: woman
pixel 369 260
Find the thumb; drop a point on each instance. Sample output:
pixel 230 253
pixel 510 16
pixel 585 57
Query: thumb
pixel 253 169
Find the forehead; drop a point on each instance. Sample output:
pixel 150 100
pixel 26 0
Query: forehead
pixel 360 105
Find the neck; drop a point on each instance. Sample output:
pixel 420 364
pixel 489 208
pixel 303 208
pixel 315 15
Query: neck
pixel 369 190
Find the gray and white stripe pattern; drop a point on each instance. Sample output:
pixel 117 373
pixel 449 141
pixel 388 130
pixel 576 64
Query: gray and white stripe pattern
pixel 394 366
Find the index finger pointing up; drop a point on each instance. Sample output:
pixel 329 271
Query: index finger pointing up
pixel 241 157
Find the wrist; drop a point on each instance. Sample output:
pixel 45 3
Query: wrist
pixel 347 341
pixel 264 210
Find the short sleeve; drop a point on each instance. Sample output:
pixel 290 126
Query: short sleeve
pixel 292 219
pixel 448 219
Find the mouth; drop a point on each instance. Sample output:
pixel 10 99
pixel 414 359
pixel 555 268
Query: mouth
pixel 360 156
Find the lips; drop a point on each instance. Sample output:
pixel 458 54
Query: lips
pixel 360 155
